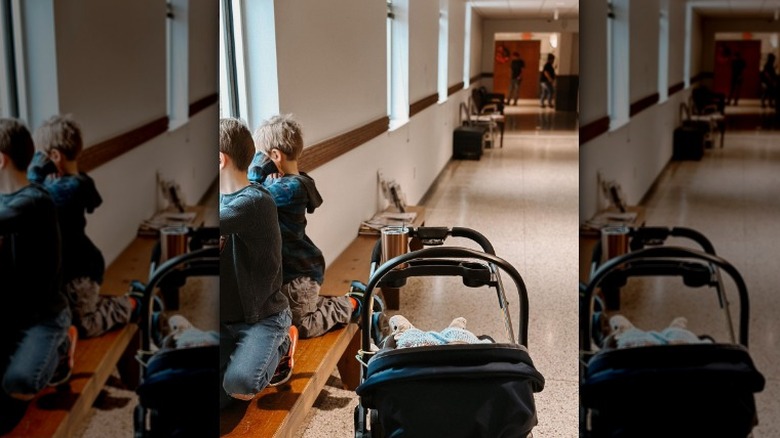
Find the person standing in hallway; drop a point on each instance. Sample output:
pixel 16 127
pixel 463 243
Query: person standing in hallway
pixel 768 82
pixel 737 75
pixel 516 77
pixel 547 81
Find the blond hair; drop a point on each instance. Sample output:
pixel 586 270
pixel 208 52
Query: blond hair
pixel 280 132
pixel 62 133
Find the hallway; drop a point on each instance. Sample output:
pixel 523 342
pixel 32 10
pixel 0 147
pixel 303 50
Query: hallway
pixel 731 197
pixel 523 198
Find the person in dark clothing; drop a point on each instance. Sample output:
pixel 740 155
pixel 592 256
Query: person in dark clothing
pixel 38 341
pixel 516 77
pixel 257 338
pixel 547 82
pixel 737 76
pixel 55 167
pixel 768 82
pixel 280 141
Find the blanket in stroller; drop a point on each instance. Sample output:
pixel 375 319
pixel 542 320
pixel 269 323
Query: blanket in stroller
pixel 406 335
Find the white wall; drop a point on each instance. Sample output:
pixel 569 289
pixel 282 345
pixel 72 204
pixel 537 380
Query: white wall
pixel 334 82
pixel 593 77
pixel 423 61
pixel 643 43
pixel 475 63
pixel 636 153
pixel 676 42
pixel 457 34
pixel 111 76
pixel 331 64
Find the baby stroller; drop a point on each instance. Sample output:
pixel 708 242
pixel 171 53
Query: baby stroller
pixel 178 391
pixel 671 390
pixel 467 390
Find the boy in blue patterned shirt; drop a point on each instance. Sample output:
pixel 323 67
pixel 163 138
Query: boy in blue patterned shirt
pixel 278 146
pixel 55 166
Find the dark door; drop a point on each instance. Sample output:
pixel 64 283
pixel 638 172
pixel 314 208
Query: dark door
pixel 529 52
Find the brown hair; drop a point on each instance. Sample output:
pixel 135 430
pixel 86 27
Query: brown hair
pixel 280 132
pixel 16 142
pixel 61 133
pixel 235 141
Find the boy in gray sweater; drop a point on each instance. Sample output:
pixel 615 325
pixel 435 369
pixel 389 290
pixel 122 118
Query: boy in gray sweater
pixel 257 338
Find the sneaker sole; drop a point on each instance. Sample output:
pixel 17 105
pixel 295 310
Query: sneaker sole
pixel 73 335
pixel 290 357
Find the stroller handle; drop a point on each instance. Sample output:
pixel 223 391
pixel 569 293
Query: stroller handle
pixel 439 234
pixel 633 263
pixel 640 237
pixel 444 252
pixel 204 261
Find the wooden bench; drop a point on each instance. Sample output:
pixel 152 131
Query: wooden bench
pixel 58 412
pixel 281 411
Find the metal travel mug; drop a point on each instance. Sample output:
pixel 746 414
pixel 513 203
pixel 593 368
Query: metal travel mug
pixel 395 241
pixel 614 241
pixel 173 242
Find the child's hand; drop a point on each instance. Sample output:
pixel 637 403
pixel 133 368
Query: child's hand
pixel 276 175
pixel 41 160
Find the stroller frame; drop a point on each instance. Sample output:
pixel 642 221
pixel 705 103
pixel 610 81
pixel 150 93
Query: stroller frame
pixel 437 261
pixel 201 260
pixel 647 372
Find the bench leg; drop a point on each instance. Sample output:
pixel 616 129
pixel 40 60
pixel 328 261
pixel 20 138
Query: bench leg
pixel 128 367
pixel 349 367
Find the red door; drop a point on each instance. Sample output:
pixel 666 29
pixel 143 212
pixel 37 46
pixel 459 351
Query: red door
pixel 725 52
pixel 529 52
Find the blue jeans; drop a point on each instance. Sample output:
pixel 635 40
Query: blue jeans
pixel 35 356
pixel 249 354
pixel 514 91
pixel 547 93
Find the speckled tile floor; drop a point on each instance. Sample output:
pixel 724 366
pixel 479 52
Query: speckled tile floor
pixel 112 413
pixel 731 197
pixel 524 199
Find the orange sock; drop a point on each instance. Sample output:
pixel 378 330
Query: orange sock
pixel 133 303
pixel 354 303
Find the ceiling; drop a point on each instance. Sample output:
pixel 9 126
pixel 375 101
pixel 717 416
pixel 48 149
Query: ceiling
pixel 737 8
pixel 517 9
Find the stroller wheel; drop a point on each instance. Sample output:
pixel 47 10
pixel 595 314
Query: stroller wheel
pixel 139 422
pixel 376 425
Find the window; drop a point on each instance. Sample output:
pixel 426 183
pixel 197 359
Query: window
pixel 398 62
pixel 618 63
pixel 9 99
pixel 228 89
pixel 178 57
pixel 249 85
pixel 443 48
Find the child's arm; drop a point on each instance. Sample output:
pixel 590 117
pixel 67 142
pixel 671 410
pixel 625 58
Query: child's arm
pixel 260 168
pixel 40 167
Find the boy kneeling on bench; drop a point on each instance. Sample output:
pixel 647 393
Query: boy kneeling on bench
pixel 257 339
pixel 38 341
